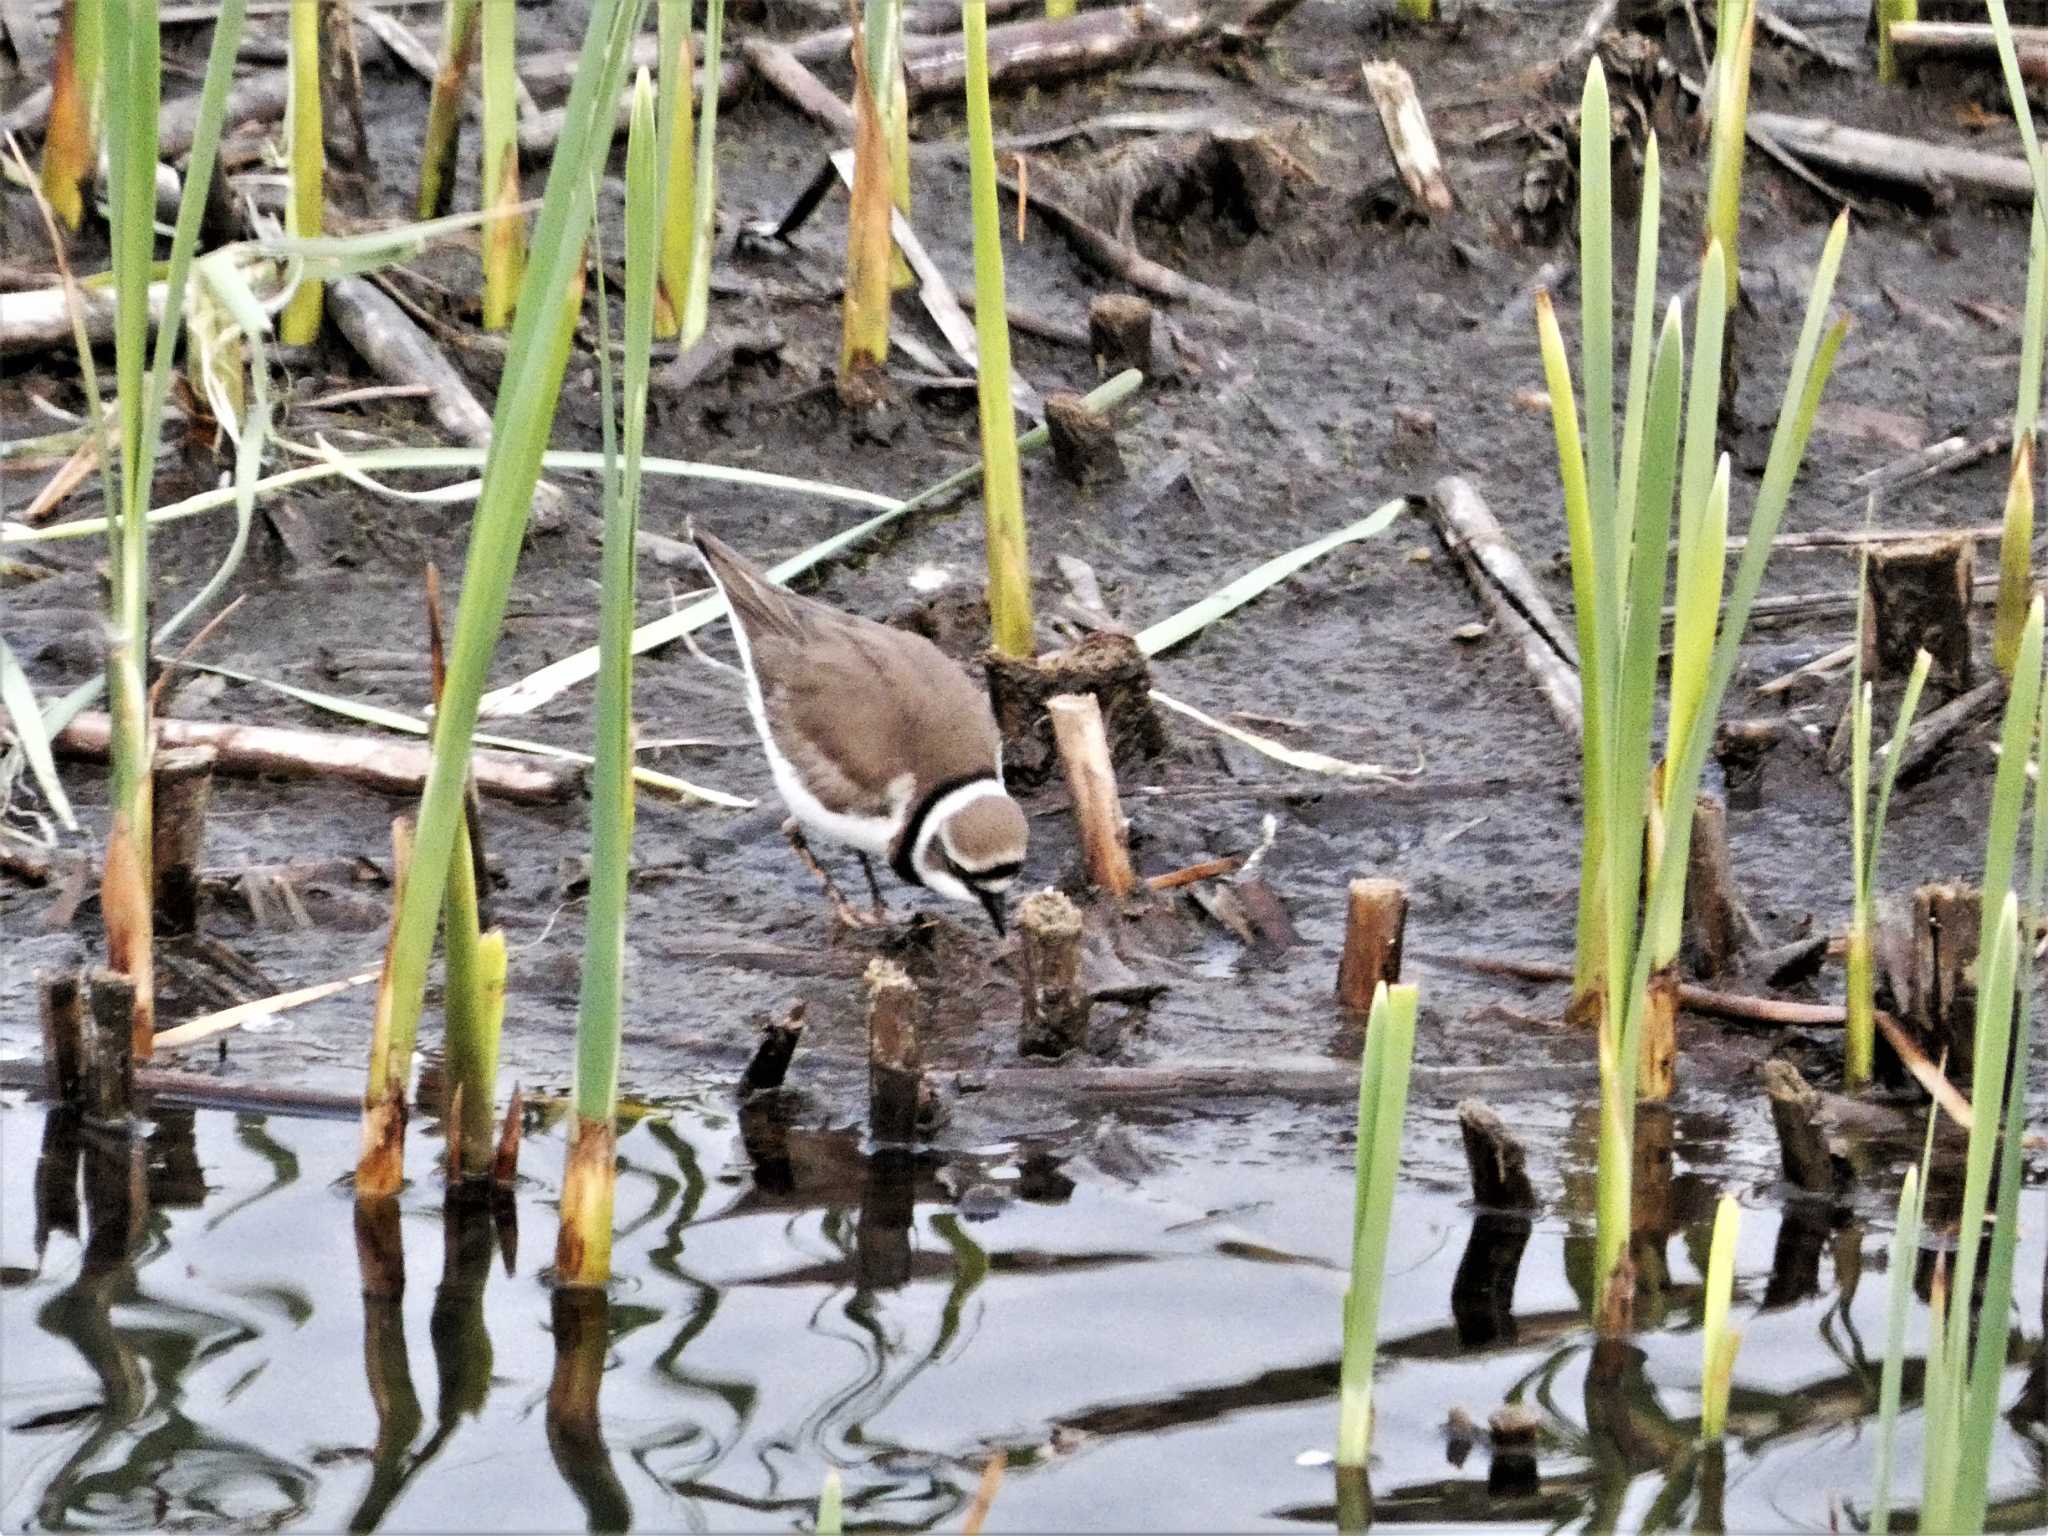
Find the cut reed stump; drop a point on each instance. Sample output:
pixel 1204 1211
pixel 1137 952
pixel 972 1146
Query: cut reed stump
pixel 109 1066
pixel 1795 1111
pixel 1941 1000
pixel 1056 1000
pixel 1408 137
pixel 1375 927
pixel 1716 925
pixel 1108 666
pixel 1084 448
pixel 1919 598
pixel 1083 743
pixel 1120 333
pixel 769 1064
pixel 1499 1165
pixel 895 1064
pixel 184 790
pixel 505 1165
pixel 1741 748
pixel 60 1004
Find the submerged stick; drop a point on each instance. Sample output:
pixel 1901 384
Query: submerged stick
pixel 375 762
pixel 1376 921
pixel 1091 779
pixel 1056 1002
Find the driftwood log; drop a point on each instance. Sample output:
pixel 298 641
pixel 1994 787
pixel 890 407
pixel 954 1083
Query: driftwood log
pixel 375 762
pixel 1408 136
pixel 1891 160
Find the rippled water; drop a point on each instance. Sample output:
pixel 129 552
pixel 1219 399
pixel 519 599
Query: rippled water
pixel 189 1346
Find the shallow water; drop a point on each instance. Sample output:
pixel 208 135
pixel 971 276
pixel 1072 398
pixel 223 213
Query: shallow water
pixel 1156 1351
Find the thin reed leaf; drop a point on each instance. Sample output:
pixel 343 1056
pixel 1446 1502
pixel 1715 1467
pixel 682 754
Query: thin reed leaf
pixel 19 698
pixel 1639 348
pixel 1382 1109
pixel 305 208
pixel 2015 557
pixel 676 86
pixel 1719 1342
pixel 71 133
pixel 1596 302
pixel 704 199
pixel 1904 1254
pixel 1198 616
pixel 504 237
pixel 1733 44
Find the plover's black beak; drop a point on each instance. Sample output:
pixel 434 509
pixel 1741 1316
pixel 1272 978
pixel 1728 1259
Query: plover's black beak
pixel 992 903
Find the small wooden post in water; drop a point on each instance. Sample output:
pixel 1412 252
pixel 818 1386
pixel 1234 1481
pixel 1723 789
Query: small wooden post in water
pixel 1374 928
pixel 110 1051
pixel 1794 1111
pixel 895 1068
pixel 184 789
pixel 1091 779
pixel 1120 333
pixel 1056 1003
pixel 60 1001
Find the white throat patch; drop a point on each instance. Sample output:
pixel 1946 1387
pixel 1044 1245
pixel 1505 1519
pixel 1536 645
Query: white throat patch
pixel 928 861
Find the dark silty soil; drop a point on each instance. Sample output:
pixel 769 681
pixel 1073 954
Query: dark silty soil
pixel 1257 436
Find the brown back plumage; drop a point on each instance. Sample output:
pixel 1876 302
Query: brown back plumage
pixel 855 705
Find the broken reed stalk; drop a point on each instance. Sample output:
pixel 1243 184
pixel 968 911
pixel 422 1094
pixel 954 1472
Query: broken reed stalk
pixel 1083 744
pixel 1618 515
pixel 895 1064
pixel 180 795
pixel 1056 1001
pixel 1009 560
pixel 1382 1107
pixel 864 311
pixel 1496 1159
pixel 60 1006
pixel 704 199
pixel 1889 14
pixel 71 137
pixel 1375 925
pixel 675 84
pixel 1866 837
pixel 459 24
pixel 110 1050
pixel 2015 558
pixel 583 1250
pixel 1718 1341
pixel 504 235
pixel 831 1497
pixel 380 1164
pixel 305 207
pixel 536 360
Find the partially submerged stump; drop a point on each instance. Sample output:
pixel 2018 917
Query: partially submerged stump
pixel 1376 922
pixel 895 1065
pixel 1499 1165
pixel 183 791
pixel 1084 448
pixel 1056 1000
pixel 1109 666
pixel 60 1002
pixel 1941 1000
pixel 1083 743
pixel 1795 1111
pixel 770 1062
pixel 1919 599
pixel 1120 333
pixel 110 1050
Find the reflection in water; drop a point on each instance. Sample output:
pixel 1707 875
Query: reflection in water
pixel 788 1304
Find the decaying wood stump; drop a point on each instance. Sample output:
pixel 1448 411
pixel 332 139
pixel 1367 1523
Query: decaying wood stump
pixel 1742 747
pixel 1109 666
pixel 1795 1111
pixel 1056 1001
pixel 1941 1000
pixel 1083 745
pixel 60 1003
pixel 1084 448
pixel 1919 599
pixel 1715 929
pixel 895 1064
pixel 1120 333
pixel 110 1050
pixel 1376 921
pixel 1499 1165
pixel 184 790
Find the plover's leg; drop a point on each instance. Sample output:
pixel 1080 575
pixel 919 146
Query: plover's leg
pixel 841 908
pixel 874 889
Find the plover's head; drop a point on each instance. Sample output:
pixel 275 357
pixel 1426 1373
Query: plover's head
pixel 972 846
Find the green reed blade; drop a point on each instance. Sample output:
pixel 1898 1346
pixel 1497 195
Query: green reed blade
pixel 18 696
pixel 1718 1342
pixel 305 209
pixel 1596 314
pixel 2015 557
pixel 1905 1252
pixel 704 199
pixel 1639 346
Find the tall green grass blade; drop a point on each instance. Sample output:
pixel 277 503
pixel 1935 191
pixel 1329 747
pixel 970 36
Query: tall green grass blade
pixel 678 162
pixel 1596 308
pixel 1639 347
pixel 1009 562
pixel 2009 783
pixel 2015 559
pixel 1894 755
pixel 1733 43
pixel 1382 1108
pixel 305 208
pixel 504 237
pixel 704 200
pixel 537 358
pixel 1196 617
pixel 1905 1252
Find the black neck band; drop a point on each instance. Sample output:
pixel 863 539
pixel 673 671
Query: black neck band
pixel 906 844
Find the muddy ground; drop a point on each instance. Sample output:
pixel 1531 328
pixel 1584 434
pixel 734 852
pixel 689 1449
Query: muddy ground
pixel 1257 438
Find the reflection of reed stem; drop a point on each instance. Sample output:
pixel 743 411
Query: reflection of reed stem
pixel 582 1328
